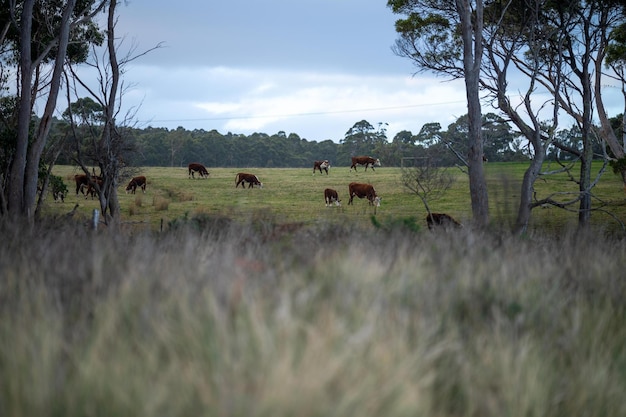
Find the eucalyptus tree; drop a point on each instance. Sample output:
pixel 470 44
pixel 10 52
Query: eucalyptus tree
pixel 110 149
pixel 615 59
pixel 37 39
pixel 445 37
pixel 584 26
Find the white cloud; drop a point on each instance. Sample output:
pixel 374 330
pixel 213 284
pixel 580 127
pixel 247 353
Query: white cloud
pixel 316 106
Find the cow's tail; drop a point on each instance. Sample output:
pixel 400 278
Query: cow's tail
pixel 236 179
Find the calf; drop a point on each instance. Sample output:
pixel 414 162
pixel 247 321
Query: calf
pixel 321 165
pixel 441 219
pixel 330 197
pixel 136 182
pixel 251 179
pixel 199 168
pixel 364 160
pixel 59 195
pixel 364 191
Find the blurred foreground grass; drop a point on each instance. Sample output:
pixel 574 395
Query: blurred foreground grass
pixel 219 317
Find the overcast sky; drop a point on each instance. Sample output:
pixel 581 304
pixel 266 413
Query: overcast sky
pixel 310 67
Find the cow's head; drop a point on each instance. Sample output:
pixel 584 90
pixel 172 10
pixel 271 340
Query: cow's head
pixel 377 163
pixel 376 201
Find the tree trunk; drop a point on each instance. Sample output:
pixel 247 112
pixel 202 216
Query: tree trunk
pixel 15 198
pixel 606 130
pixel 472 56
pixel 36 148
pixel 110 143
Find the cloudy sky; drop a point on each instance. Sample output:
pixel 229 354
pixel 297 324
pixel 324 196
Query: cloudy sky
pixel 310 67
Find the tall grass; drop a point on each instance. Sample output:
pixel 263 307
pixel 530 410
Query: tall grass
pixel 217 317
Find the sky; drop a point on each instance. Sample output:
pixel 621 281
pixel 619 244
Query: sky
pixel 310 67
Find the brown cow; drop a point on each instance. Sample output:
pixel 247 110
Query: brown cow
pixel 441 219
pixel 82 181
pixel 330 197
pixel 136 182
pixel 321 165
pixel 364 190
pixel 251 179
pixel 364 160
pixel 199 168
pixel 95 185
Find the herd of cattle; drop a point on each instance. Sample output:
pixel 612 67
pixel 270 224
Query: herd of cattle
pixel 85 184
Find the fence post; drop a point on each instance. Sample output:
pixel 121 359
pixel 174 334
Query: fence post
pixel 96 218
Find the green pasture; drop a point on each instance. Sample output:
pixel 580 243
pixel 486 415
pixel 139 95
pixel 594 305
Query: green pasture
pixel 296 195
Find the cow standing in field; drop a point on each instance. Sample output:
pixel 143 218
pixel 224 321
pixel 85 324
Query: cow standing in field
pixel 321 165
pixel 136 182
pixel 330 197
pixel 363 191
pixel 83 181
pixel 95 185
pixel 199 168
pixel 441 219
pixel 251 179
pixel 364 160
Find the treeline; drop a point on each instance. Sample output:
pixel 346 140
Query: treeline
pixel 154 146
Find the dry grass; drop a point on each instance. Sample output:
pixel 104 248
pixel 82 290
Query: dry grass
pixel 255 318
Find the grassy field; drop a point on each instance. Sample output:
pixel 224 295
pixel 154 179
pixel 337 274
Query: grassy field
pixel 295 195
pixel 268 303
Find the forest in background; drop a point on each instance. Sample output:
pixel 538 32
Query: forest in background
pixel 158 146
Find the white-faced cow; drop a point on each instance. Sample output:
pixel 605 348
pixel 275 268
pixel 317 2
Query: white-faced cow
pixel 364 191
pixel 251 179
pixel 321 165
pixel 330 197
pixel 364 160
pixel 441 219
pixel 199 168
pixel 139 181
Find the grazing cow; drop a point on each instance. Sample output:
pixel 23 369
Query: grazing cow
pixel 441 219
pixel 364 160
pixel 136 182
pixel 59 195
pixel 199 168
pixel 82 182
pixel 92 189
pixel 364 190
pixel 59 189
pixel 251 179
pixel 330 197
pixel 321 165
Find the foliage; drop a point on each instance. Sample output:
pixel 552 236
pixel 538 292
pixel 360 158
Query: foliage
pixel 178 147
pixel 618 165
